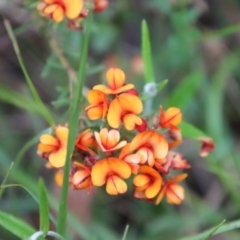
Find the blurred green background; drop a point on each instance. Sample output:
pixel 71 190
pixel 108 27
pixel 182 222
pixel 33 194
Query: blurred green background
pixel 195 45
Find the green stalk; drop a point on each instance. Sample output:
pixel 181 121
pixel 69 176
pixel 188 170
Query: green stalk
pixel 73 126
pixel 46 114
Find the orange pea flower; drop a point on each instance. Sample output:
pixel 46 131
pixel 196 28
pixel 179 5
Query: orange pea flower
pixel 81 178
pixel 150 145
pixel 125 108
pixel 173 192
pixel 58 9
pixel 98 105
pixel 54 148
pixel 133 160
pixel 171 118
pixel 86 141
pixel 111 171
pixel 116 81
pixel 109 140
pixel 147 183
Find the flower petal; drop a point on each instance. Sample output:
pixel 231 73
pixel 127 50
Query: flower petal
pixel 115 78
pixel 174 194
pixel 73 8
pixel 59 178
pixel 114 113
pixel 131 120
pixel 96 97
pixel 48 139
pixel 115 185
pixel 110 166
pixel 58 158
pixel 141 181
pixel 45 148
pixel 154 188
pixel 94 112
pixel 58 14
pixel 103 89
pixel 62 134
pixel 113 138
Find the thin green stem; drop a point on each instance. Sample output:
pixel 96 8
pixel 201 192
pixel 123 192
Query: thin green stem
pixel 73 126
pixel 125 232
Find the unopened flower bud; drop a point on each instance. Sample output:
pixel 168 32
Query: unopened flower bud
pixel 100 5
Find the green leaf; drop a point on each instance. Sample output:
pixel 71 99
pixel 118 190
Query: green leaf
pixel 189 131
pixel 43 207
pixel 215 229
pixel 17 99
pixel 146 54
pixel 185 91
pixel 44 111
pixel 223 228
pixel 15 226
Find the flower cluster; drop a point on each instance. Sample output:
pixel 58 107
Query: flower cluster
pixel 126 146
pixel 74 11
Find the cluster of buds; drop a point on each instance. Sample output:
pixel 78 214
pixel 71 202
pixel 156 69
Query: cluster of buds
pixel 74 11
pixel 125 146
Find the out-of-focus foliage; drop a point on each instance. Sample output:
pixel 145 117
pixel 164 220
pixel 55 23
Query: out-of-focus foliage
pixel 195 45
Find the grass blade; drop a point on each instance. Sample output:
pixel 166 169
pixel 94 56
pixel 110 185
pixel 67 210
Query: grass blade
pixel 43 207
pixel 125 232
pixel 45 113
pixel 15 225
pixel 146 54
pixel 223 228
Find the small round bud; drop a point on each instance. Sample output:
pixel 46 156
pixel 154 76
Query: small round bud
pixel 142 127
pixel 150 89
pixel 100 5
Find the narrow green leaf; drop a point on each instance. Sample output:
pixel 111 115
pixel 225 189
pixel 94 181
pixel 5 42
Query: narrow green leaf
pixel 43 207
pixel 17 99
pixel 5 180
pixel 146 54
pixel 45 113
pixel 73 126
pixel 15 226
pixel 125 232
pixel 190 131
pixel 30 193
pixel 186 90
pixel 223 228
pixel 215 229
